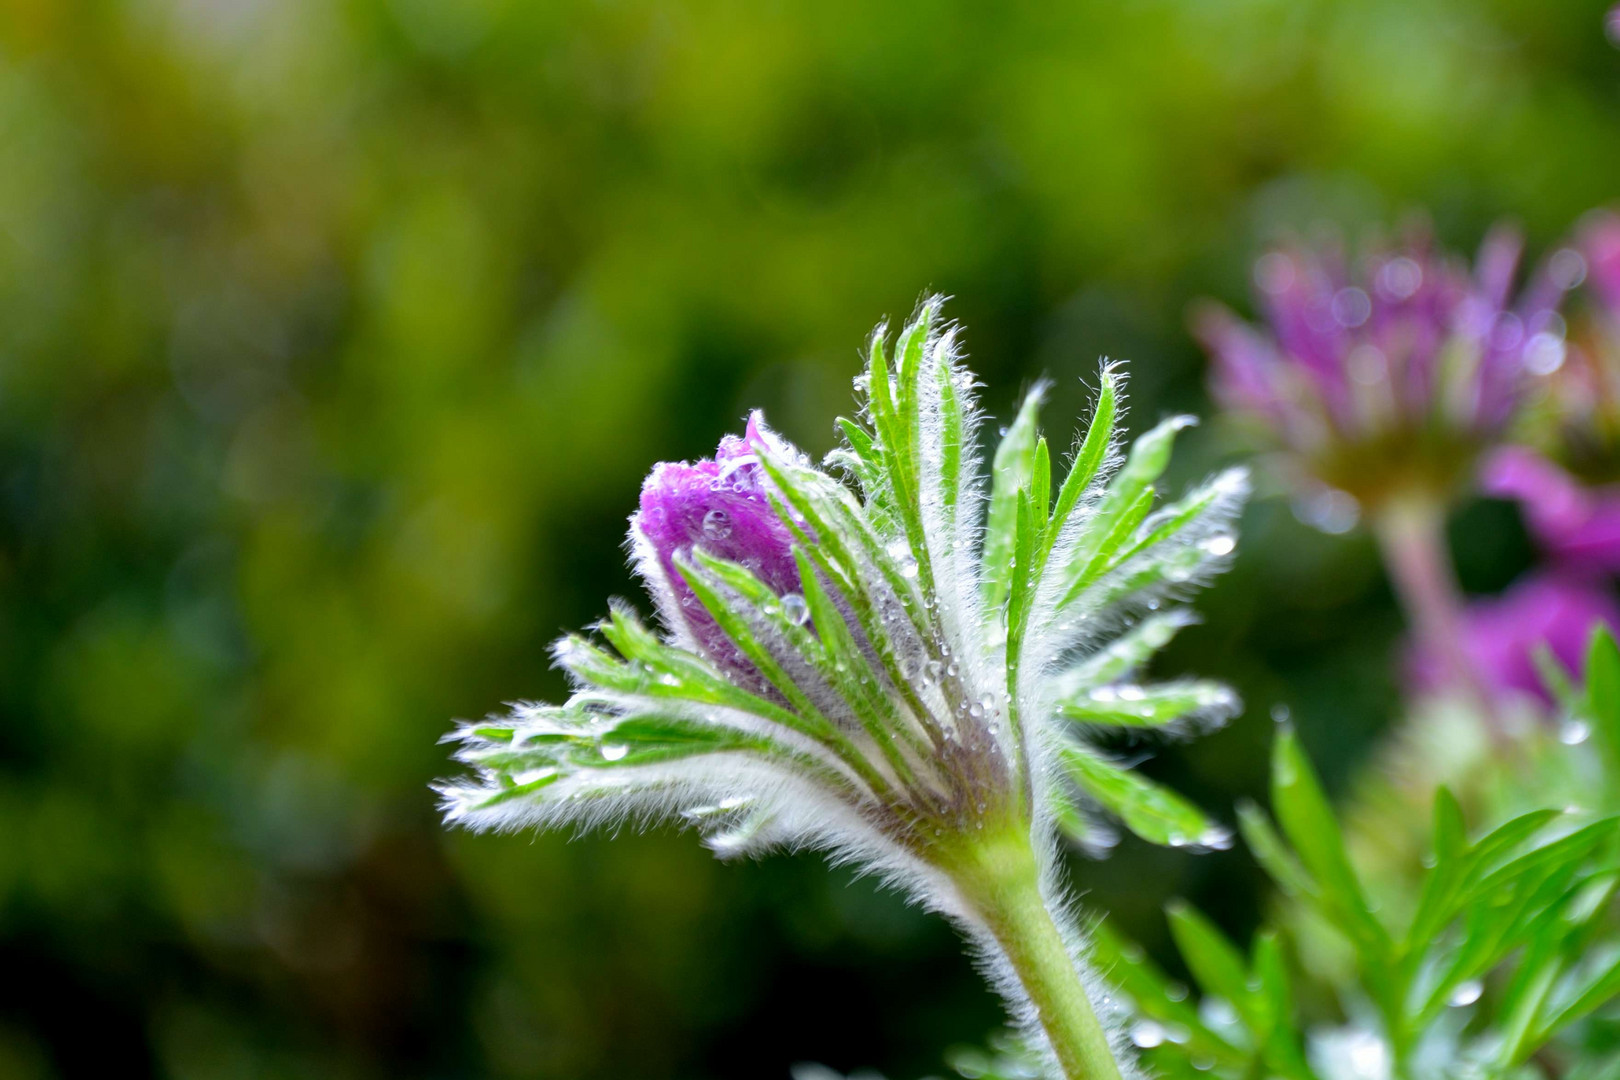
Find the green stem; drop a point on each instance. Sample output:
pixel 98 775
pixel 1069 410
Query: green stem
pixel 1000 881
pixel 1412 535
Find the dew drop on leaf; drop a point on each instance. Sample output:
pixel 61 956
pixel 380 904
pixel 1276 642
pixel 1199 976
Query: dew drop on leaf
pixel 1147 1034
pixel 795 609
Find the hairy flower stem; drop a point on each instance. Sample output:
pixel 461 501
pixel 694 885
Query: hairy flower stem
pixel 1000 881
pixel 1411 532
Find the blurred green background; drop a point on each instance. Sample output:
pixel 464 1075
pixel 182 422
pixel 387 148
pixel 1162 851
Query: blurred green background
pixel 336 336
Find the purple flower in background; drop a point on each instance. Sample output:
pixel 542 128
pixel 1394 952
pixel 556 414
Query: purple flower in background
pixel 722 507
pixel 1577 526
pixel 1611 24
pixel 1388 379
pixel 1567 476
pixel 1600 243
pixel 1503 633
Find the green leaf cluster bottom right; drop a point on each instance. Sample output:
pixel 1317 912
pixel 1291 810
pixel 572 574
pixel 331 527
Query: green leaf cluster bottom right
pixel 1502 961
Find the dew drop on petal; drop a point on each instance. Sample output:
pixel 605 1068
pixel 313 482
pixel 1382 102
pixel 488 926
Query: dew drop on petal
pixel 716 525
pixel 1573 731
pixel 1466 993
pixel 614 751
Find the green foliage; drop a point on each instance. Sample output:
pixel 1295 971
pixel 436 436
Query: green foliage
pixel 1513 942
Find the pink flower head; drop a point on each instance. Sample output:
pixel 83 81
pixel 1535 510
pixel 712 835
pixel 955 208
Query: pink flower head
pixel 1389 377
pixel 722 507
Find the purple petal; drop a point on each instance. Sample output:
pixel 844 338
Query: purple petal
pixel 1578 527
pixel 720 506
pixel 1503 633
pixel 1600 243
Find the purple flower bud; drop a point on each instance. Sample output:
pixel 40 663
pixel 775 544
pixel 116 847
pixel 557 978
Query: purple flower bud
pixel 720 506
pixel 1391 377
pixel 1503 633
pixel 1578 527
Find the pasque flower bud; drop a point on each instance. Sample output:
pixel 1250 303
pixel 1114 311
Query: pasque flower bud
pixel 723 507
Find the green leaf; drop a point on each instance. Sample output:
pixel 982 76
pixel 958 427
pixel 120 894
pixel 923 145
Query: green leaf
pixel 1146 706
pixel 1443 884
pixel 849 671
pixel 1175 518
pixel 1213 960
pixel 1011 474
pixel 1124 965
pixel 1603 691
pixel 1121 526
pixel 1272 854
pixel 1272 1004
pixel 1088 460
pixel 1149 810
pixel 1307 820
pixel 951 440
pixel 1126 653
pixel 1594 985
pixel 1022 595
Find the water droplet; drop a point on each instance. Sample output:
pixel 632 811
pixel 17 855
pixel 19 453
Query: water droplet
pixel 1281 713
pixel 614 751
pixel 795 609
pixel 1567 268
pixel 1147 1034
pixel 1544 354
pixel 1220 544
pixel 908 567
pixel 1466 993
pixel 1328 509
pixel 1399 278
pixel 1351 307
pixel 716 524
pixel 1574 731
